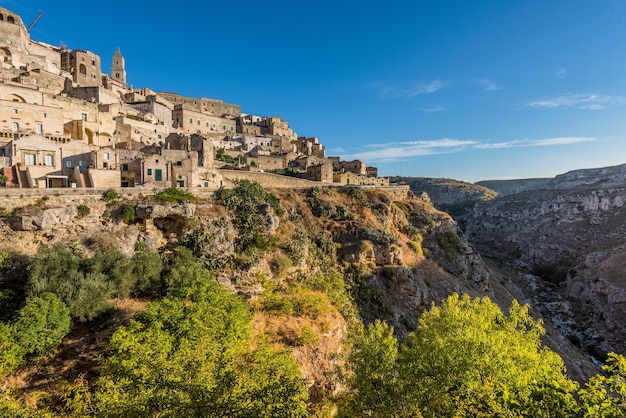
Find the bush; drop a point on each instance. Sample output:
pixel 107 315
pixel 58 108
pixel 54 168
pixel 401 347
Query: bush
pixel 174 195
pixel 280 264
pixel 42 324
pixel 127 212
pixel 146 269
pixel 82 211
pixel 110 195
pixel 307 336
pixel 11 353
pixel 61 271
pixel 417 247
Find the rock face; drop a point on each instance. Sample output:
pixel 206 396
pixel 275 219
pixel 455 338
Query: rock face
pixel 42 220
pixel 571 233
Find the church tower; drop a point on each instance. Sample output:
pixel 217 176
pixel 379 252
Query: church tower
pixel 118 72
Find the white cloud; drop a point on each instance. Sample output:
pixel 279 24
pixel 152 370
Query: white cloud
pixel 433 109
pixel 562 73
pixel 407 90
pixel 398 151
pixel 487 84
pixel 579 101
pixel 564 140
pixel 395 151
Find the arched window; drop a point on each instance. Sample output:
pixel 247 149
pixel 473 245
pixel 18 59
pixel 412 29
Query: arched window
pixel 1 17
pixel 82 69
pixel 10 19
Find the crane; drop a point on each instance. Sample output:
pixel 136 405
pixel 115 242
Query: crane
pixel 34 22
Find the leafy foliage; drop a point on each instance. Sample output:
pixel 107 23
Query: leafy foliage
pixel 82 211
pixel 42 324
pixel 192 357
pixel 128 214
pixel 38 329
pixel 110 194
pixel 375 388
pixel 468 359
pixel 605 395
pixel 87 285
pixel 174 195
pixel 246 200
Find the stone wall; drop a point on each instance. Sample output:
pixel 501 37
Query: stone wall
pixel 269 180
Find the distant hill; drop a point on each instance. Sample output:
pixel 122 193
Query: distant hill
pixel 569 231
pixel 590 178
pixel 452 196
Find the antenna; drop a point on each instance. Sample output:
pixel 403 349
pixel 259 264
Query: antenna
pixel 34 22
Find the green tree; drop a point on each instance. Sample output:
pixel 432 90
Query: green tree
pixel 146 268
pixel 192 357
pixel 11 353
pixel 60 270
pixel 605 394
pixel 373 387
pixel 42 324
pixel 117 268
pixel 469 359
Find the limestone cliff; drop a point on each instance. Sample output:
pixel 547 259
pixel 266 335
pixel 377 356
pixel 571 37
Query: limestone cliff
pixel 570 233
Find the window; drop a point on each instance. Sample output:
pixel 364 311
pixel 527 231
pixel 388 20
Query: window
pixel 16 127
pixel 190 120
pixel 149 172
pixel 45 115
pixel 107 156
pixel 198 121
pixel 39 128
pixel 179 163
pixel 14 110
pixel 29 159
pixel 124 167
pixel 49 160
pixel 81 163
pixel 68 164
pixel 83 116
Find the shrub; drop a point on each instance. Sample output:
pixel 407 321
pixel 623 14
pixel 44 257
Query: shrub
pixel 82 211
pixel 280 264
pixel 174 195
pixel 449 243
pixel 146 269
pixel 42 324
pixel 65 273
pixel 110 195
pixel 417 247
pixel 307 336
pixel 127 212
pixel 11 353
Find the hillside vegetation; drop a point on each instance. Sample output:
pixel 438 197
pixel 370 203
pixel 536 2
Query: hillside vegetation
pixel 271 303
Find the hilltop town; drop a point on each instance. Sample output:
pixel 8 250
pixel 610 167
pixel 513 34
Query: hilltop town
pixel 66 124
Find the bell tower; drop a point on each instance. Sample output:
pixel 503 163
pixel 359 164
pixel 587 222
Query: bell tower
pixel 118 72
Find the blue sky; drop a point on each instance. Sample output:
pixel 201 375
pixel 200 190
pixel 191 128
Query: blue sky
pixel 471 90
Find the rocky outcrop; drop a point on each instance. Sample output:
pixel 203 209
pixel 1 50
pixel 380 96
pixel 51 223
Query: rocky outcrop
pixel 44 219
pixel 572 236
pixel 185 210
pixel 593 178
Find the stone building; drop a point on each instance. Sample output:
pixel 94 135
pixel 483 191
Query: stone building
pixel 204 105
pixel 309 146
pixel 84 66
pixel 322 172
pixel 190 121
